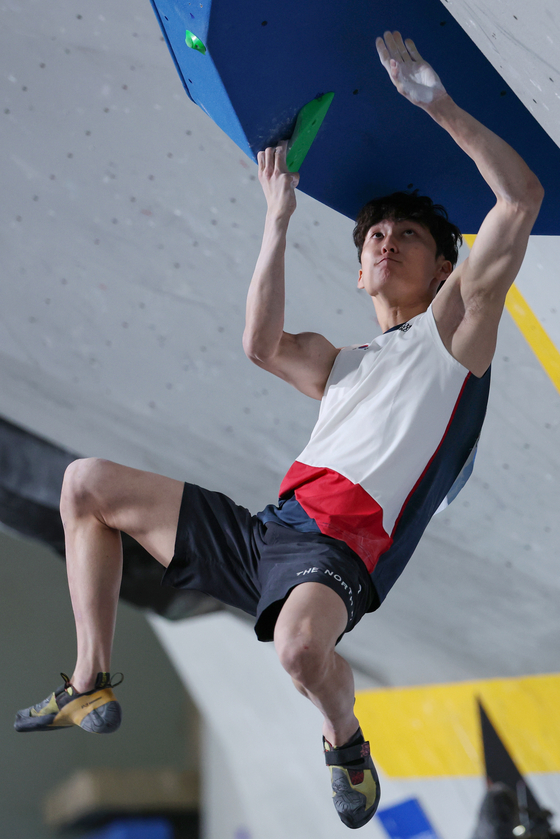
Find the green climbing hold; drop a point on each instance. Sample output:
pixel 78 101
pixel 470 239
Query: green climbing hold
pixel 309 121
pixel 194 43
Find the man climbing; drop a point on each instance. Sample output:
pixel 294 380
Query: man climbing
pixel 399 421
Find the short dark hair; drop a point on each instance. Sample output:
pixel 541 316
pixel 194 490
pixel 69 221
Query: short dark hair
pixel 403 206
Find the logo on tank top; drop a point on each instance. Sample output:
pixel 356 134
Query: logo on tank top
pixel 405 327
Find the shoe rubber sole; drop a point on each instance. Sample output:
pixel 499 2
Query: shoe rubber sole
pixel 349 799
pixel 97 712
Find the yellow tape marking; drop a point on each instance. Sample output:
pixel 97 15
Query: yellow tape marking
pixel 530 328
pixel 469 238
pixel 434 730
pixel 534 334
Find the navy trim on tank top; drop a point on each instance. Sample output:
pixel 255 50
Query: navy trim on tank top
pixel 436 482
pixel 394 328
pixel 289 513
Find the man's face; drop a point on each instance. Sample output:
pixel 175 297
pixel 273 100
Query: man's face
pixel 399 261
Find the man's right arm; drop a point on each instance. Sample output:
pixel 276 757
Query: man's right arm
pixel 304 360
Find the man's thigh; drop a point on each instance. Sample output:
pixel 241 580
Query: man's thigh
pixel 142 504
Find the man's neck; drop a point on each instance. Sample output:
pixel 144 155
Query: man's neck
pixel 391 316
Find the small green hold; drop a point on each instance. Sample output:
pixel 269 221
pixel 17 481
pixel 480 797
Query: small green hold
pixel 194 43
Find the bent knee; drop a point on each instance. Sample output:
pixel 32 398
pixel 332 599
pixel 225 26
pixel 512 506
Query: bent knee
pixel 80 487
pixel 305 659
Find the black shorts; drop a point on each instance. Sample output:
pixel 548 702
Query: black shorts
pixel 223 550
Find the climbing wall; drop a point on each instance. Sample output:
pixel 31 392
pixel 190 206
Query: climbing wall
pixel 228 64
pixel 131 226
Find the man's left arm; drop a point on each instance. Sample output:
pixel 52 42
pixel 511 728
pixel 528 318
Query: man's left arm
pixel 468 308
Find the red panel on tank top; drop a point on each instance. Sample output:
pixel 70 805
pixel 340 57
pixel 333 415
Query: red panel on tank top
pixel 342 510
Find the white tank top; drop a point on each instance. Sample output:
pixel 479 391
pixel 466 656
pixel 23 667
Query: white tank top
pixel 396 413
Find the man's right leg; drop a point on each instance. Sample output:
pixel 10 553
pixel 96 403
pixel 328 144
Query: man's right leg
pixel 99 499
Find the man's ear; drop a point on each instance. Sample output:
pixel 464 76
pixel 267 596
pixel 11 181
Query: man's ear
pixel 441 275
pixel 360 281
pixel 445 270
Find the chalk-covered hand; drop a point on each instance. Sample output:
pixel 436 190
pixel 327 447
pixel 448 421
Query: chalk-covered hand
pixel 412 76
pixel 277 181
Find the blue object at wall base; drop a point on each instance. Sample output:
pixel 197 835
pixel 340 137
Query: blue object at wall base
pixel 148 828
pixel 406 820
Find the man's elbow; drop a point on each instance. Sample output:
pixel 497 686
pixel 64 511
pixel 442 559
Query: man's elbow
pixel 532 194
pixel 248 347
pixel 255 350
pixel 536 191
pixel 526 198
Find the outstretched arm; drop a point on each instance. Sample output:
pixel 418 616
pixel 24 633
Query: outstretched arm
pixel 303 360
pixel 468 308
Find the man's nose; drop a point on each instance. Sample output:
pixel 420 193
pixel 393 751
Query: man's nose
pixel 389 245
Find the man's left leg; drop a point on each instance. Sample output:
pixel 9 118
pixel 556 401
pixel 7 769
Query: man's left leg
pixel 308 626
pixel 312 619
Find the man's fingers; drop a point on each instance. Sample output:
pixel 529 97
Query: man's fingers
pixel 411 47
pixel 273 157
pixel 269 159
pixel 281 165
pixel 389 55
pixel 401 46
pixel 382 52
pixel 272 161
pixel 280 153
pixel 392 46
pixel 393 51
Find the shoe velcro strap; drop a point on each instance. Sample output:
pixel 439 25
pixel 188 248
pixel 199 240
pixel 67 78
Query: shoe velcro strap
pixel 339 757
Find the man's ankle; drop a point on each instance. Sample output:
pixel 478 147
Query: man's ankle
pixel 341 735
pixel 83 683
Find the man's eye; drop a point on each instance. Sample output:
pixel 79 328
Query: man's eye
pixel 410 230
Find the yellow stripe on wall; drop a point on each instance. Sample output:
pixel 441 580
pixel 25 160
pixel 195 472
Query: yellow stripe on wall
pixel 530 328
pixel 534 334
pixel 434 731
pixel 469 238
